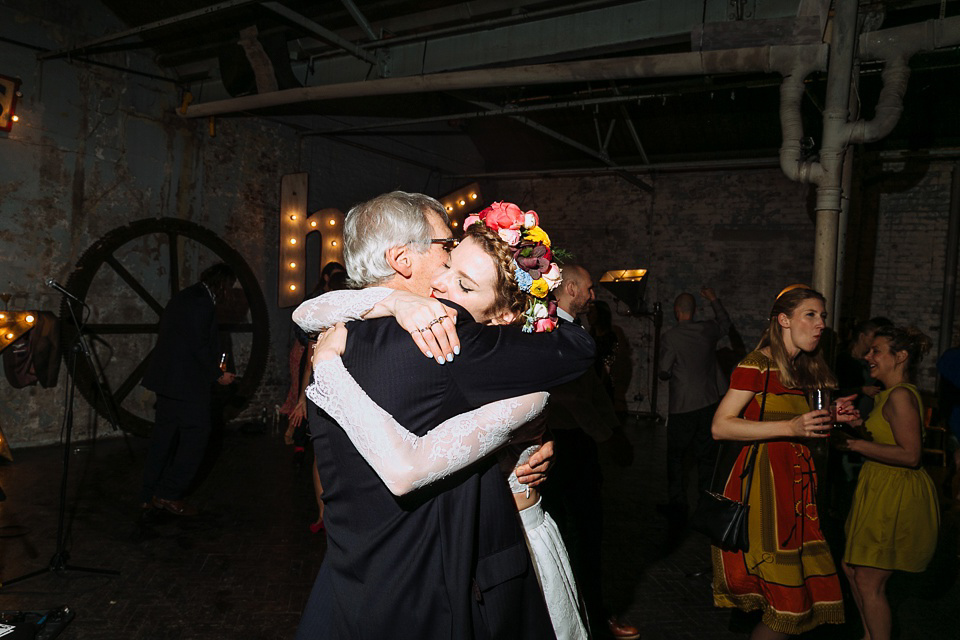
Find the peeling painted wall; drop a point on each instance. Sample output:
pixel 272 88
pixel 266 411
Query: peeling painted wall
pixel 97 148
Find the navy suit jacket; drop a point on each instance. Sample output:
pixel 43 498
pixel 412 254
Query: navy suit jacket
pixel 185 362
pixel 448 561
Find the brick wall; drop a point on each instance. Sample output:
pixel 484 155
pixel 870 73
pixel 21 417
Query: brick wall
pixel 747 234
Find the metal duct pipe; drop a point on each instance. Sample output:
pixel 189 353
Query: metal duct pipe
pixel 836 114
pixel 950 265
pixel 766 59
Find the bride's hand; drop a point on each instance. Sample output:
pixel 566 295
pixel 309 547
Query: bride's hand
pixel 331 343
pixel 431 324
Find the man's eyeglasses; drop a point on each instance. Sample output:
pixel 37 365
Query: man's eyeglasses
pixel 448 243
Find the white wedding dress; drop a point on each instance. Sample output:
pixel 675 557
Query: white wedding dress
pixel 406 462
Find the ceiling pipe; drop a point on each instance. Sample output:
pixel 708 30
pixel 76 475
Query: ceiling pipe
pixel 893 46
pixel 765 59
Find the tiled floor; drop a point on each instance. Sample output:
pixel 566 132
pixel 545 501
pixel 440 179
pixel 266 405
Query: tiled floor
pixel 244 567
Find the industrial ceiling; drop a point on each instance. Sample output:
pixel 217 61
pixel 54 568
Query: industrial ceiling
pixel 529 82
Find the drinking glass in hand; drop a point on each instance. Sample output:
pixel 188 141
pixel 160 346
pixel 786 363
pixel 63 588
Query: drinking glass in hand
pixel 819 400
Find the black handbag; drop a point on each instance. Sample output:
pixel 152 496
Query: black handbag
pixel 721 519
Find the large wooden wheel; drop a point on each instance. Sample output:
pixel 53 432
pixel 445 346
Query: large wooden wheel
pixel 127 277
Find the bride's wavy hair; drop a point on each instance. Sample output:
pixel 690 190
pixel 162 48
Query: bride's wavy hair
pixel 807 370
pixel 507 296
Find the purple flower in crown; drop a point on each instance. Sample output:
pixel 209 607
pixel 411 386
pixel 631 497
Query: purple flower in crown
pixel 534 259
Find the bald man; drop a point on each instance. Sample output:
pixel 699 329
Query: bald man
pixel 581 418
pixel 688 360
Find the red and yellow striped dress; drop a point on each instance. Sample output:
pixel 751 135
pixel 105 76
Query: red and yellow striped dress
pixel 788 571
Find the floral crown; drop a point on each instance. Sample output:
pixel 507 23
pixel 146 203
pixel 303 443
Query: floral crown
pixel 533 267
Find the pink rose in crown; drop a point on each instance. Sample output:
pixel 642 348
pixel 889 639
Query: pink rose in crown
pixel 471 220
pixel 533 259
pixel 510 236
pixel 503 215
pixel 552 276
pixel 545 325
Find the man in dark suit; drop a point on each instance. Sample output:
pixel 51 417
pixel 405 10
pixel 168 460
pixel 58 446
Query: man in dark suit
pixel 183 368
pixel 582 419
pixel 448 562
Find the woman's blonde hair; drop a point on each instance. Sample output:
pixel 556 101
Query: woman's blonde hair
pixel 807 370
pixel 507 296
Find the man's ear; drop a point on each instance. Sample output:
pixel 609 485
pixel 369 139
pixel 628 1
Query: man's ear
pixel 399 259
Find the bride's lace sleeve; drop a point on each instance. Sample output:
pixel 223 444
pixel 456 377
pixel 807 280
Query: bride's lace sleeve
pixel 403 460
pixel 337 306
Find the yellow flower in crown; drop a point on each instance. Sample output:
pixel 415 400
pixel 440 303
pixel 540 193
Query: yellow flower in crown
pixel 539 288
pixel 536 234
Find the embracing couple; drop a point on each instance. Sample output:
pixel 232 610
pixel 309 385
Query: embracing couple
pixel 428 420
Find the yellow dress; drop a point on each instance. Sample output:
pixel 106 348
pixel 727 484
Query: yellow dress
pixel 895 516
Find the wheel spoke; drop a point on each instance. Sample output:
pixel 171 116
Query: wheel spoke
pixel 134 284
pixel 108 328
pixel 174 251
pixel 132 380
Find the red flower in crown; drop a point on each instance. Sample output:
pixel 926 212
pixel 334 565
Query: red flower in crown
pixel 504 215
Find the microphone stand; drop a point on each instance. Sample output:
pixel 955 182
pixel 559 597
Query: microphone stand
pixel 60 560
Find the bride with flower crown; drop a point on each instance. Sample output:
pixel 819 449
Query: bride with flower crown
pixel 501 273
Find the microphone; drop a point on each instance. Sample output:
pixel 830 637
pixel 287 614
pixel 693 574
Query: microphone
pixel 50 282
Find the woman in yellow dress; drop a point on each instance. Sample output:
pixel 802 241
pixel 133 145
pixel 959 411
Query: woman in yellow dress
pixel 894 520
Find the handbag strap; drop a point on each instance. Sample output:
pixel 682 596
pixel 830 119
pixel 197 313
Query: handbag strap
pixel 748 468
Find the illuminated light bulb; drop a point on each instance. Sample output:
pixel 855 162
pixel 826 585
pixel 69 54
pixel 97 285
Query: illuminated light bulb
pixel 333 222
pixel 449 208
pixel 333 243
pixel 29 318
pixel 293 265
pixel 313 223
pixel 293 241
pixel 293 287
pixel 15 118
pixel 473 196
pixel 462 202
pixel 9 336
pixel 454 223
pixel 293 217
pixel 3 316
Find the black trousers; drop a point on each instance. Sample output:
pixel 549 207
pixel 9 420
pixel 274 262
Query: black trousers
pixel 572 497
pixel 177 445
pixel 687 432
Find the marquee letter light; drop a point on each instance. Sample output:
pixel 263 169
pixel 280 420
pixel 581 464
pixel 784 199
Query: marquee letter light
pixel 9 92
pixel 461 203
pixel 295 225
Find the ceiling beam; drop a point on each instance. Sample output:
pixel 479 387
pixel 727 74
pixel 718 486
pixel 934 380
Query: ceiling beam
pixel 602 155
pixel 321 32
pixel 359 18
pixel 150 26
